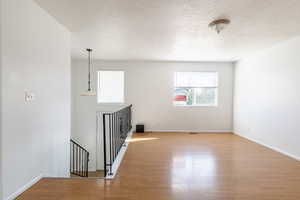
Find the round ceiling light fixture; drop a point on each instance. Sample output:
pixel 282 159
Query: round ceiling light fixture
pixel 219 24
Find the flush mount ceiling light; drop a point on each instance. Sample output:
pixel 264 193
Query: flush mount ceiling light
pixel 219 24
pixel 89 91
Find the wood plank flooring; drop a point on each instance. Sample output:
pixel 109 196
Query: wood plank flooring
pixel 171 166
pixel 92 174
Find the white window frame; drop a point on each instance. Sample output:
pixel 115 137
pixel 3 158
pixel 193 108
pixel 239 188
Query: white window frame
pixel 198 105
pixel 111 103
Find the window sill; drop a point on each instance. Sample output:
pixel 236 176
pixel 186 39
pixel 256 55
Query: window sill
pixel 111 104
pixel 213 106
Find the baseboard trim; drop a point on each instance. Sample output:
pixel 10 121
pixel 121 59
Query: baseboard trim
pixel 24 188
pixel 52 176
pixel 189 131
pixel 269 146
pixel 120 157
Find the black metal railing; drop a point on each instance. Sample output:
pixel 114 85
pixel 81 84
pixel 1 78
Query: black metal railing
pixel 79 161
pixel 116 126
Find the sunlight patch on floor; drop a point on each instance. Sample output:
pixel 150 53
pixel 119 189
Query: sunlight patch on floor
pixel 141 139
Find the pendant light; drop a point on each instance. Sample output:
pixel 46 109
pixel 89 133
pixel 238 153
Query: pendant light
pixel 89 91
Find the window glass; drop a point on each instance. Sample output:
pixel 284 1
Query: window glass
pixel 110 87
pixel 196 88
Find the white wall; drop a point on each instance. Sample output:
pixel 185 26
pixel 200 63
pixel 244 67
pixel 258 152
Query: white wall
pixel 35 58
pixel 1 185
pixel 267 105
pixel 149 87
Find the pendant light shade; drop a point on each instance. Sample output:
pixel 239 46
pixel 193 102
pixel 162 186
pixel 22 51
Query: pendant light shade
pixel 89 91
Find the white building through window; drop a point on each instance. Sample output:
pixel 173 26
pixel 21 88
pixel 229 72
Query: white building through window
pixel 110 87
pixel 196 89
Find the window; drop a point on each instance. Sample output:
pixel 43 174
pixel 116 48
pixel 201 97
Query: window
pixel 110 87
pixel 196 88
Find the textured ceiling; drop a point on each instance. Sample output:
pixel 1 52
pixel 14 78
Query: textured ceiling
pixel 175 30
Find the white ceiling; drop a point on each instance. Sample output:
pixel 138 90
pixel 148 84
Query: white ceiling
pixel 175 30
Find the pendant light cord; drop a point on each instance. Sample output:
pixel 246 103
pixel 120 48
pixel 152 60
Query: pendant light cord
pixel 89 69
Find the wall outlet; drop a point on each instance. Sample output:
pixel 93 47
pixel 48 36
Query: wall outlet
pixel 29 96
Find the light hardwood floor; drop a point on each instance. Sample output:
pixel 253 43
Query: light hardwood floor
pixel 165 166
pixel 92 174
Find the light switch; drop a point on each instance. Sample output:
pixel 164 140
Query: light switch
pixel 29 96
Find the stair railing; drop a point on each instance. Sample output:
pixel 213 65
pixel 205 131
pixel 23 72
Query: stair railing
pixel 116 126
pixel 79 160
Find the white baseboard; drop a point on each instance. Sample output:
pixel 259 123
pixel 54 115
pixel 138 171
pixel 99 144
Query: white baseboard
pixel 269 146
pixel 24 188
pixel 53 176
pixel 120 157
pixel 190 131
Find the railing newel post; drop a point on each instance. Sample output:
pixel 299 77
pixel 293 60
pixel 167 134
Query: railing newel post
pixel 104 143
